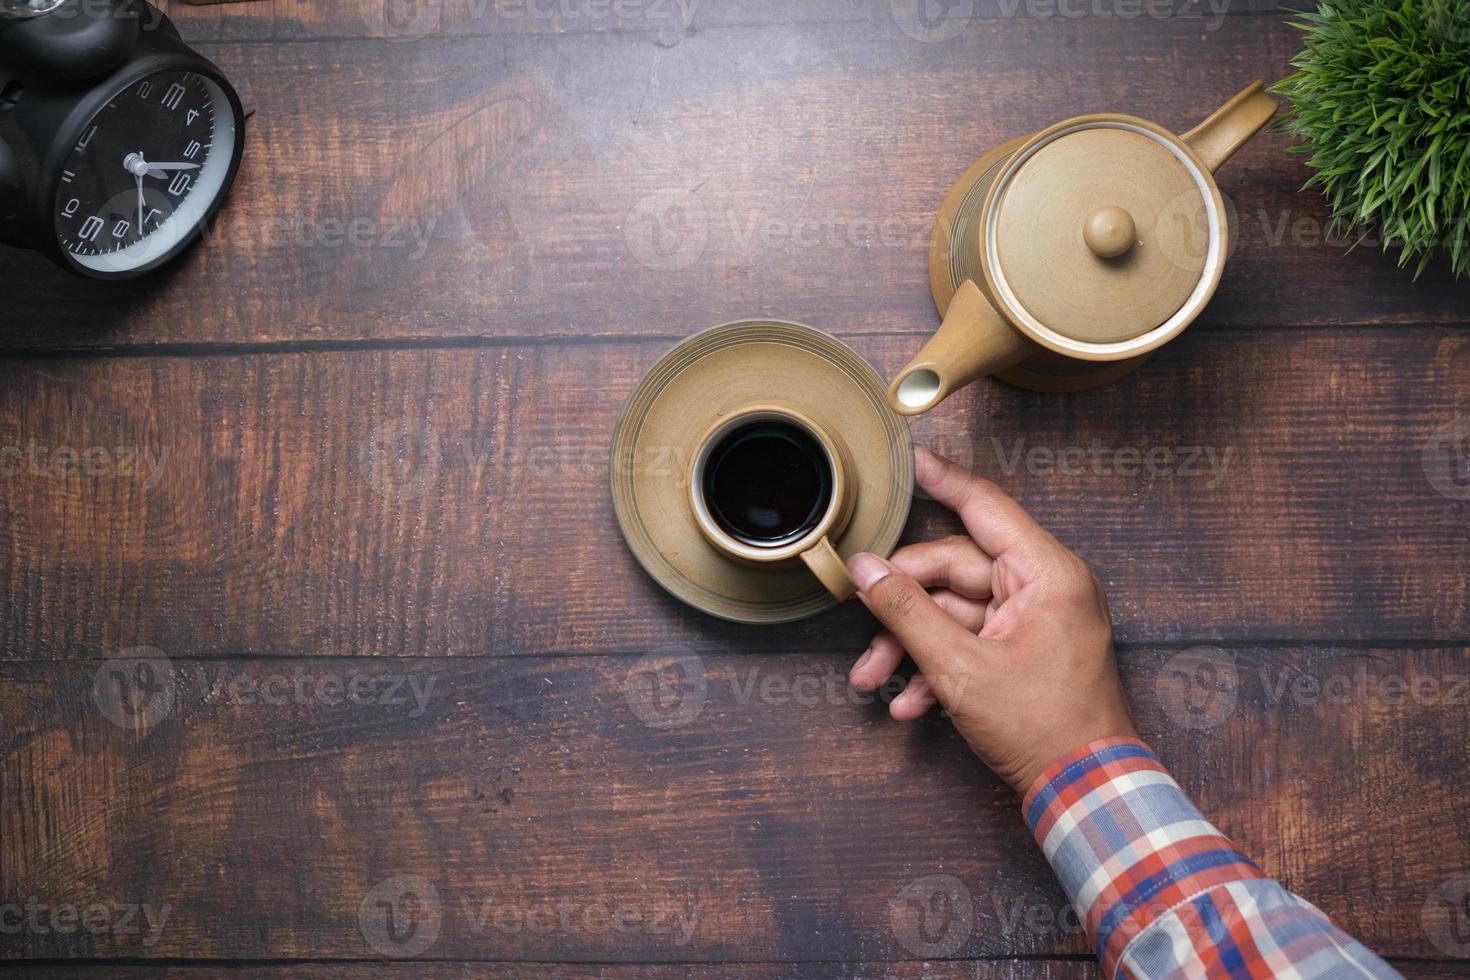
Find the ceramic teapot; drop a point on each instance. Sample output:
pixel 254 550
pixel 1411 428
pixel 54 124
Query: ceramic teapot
pixel 1061 259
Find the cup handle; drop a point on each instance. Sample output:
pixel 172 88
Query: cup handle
pixel 974 340
pixel 829 567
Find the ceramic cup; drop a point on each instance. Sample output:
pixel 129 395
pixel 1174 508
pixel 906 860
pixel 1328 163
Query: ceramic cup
pixel 812 546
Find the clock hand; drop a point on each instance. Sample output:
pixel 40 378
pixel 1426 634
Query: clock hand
pixel 140 204
pixel 170 166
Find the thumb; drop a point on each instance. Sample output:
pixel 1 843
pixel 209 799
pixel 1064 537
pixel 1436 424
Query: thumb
pixel 937 642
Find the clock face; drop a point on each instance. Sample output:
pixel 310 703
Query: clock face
pixel 145 171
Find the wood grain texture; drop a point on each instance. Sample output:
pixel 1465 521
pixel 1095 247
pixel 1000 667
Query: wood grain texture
pixel 940 970
pixel 668 21
pixel 346 495
pixel 723 807
pixel 1242 485
pixel 612 184
pixel 1048 969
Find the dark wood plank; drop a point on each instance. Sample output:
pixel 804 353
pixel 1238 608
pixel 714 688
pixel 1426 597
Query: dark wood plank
pixel 607 184
pixel 1049 969
pixel 727 807
pixel 1068 969
pixel 670 21
pixel 930 970
pixel 456 502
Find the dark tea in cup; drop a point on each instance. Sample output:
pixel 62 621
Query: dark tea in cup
pixel 767 482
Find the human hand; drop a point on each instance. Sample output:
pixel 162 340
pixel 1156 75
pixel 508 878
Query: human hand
pixel 1014 640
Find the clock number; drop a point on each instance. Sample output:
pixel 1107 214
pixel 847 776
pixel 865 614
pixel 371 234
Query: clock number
pixel 190 116
pixel 192 150
pixel 173 96
pixel 179 184
pixel 71 207
pixel 90 228
pixel 86 138
pixel 120 229
pixel 152 213
pixel 145 90
pixel 67 176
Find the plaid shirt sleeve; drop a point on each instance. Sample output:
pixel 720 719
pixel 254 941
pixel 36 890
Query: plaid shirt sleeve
pixel 1161 891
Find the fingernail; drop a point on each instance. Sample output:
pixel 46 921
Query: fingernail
pixel 867 570
pixel 867 654
pixel 926 464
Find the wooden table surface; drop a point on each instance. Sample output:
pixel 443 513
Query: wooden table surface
pixel 404 702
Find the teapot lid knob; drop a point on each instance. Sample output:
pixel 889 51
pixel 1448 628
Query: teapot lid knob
pixel 1109 231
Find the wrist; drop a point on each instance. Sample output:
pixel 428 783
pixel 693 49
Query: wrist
pixel 1053 757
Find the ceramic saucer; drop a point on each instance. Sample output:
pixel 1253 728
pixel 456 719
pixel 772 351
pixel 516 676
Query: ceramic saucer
pixel 710 376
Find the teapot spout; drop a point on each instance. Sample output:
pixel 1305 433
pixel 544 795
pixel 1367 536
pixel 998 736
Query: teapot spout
pixel 974 340
pixel 1229 127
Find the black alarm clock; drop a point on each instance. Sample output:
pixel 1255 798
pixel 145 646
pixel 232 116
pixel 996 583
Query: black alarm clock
pixel 118 143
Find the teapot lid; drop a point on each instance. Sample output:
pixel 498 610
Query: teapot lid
pixel 1103 233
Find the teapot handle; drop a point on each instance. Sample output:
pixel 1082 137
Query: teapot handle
pixel 974 340
pixel 1228 127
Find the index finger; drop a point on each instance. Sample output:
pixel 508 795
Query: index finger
pixel 996 522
